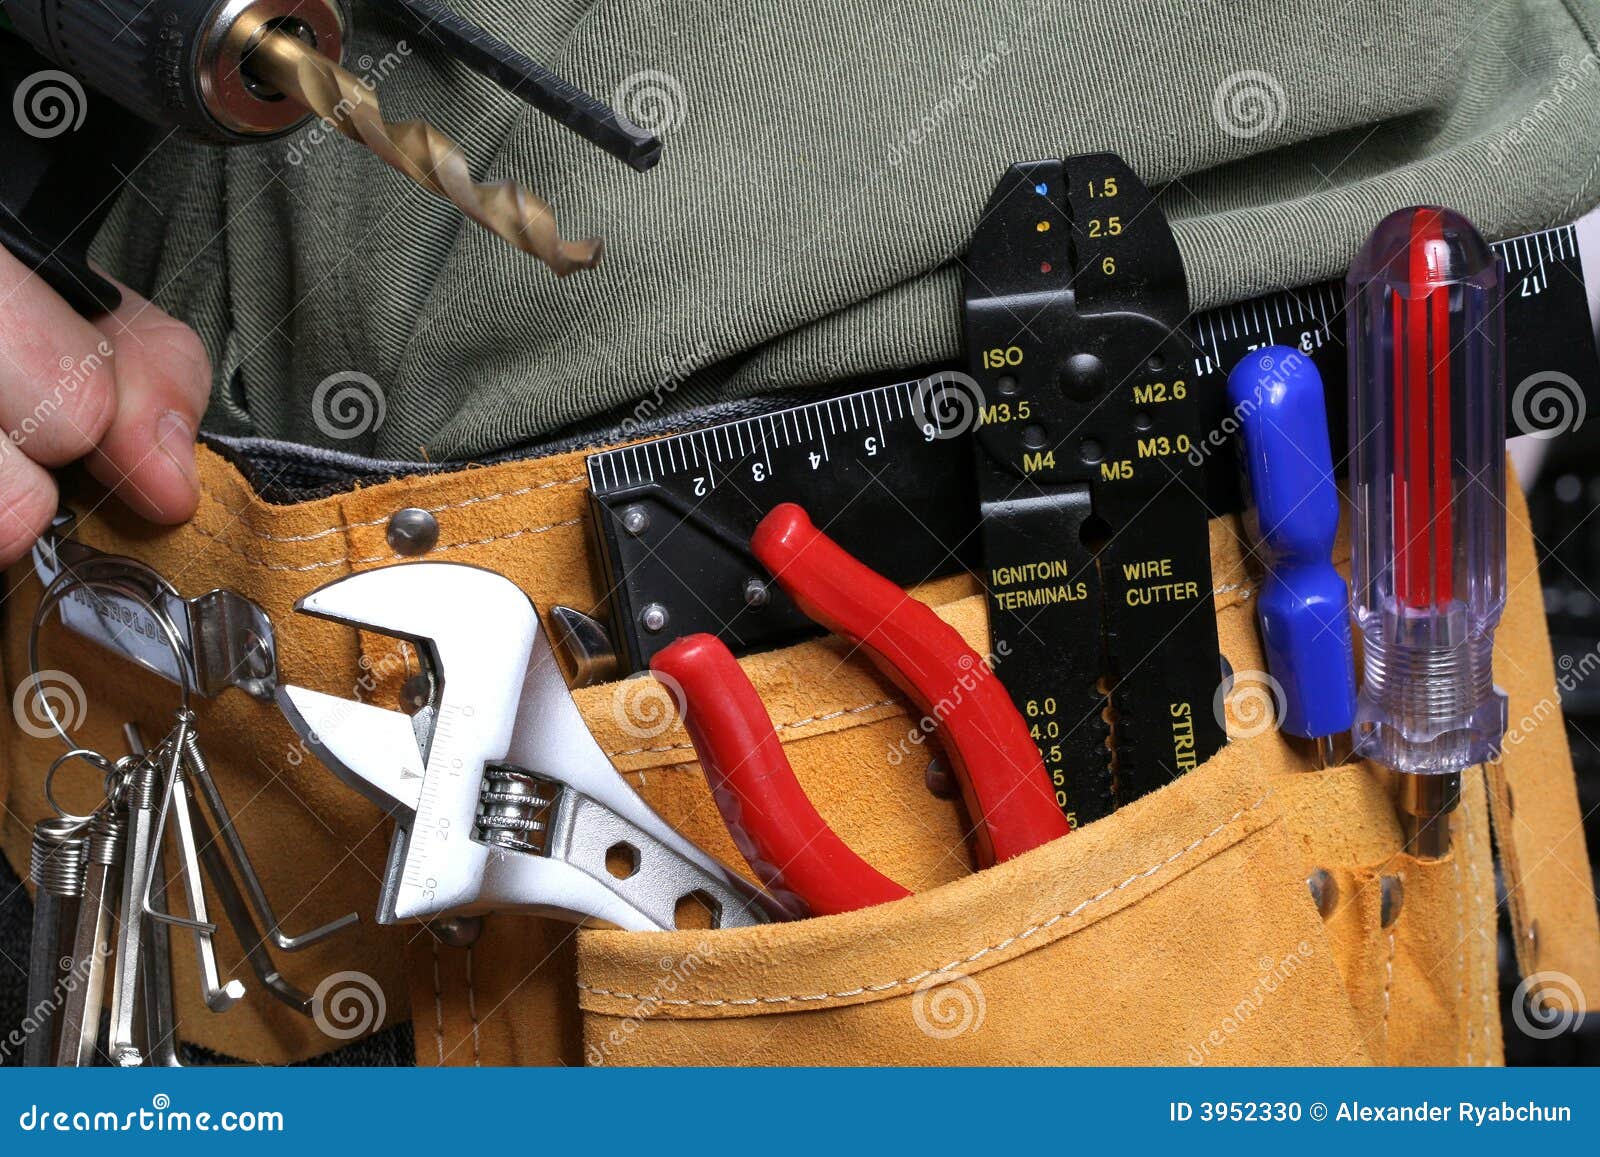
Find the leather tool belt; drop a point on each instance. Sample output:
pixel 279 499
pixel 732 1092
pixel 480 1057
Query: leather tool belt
pixel 1178 930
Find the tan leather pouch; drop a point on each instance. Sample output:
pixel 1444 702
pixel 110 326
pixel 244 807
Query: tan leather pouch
pixel 1180 929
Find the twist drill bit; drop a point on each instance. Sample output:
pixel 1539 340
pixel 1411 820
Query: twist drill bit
pixel 415 148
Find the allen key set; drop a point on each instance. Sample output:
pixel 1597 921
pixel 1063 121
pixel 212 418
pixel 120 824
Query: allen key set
pixel 103 919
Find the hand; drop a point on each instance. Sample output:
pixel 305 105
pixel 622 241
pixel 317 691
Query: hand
pixel 126 391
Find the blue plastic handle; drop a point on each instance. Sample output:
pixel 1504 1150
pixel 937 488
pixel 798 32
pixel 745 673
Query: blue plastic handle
pixel 1277 400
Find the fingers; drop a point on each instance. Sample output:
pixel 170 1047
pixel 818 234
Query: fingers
pixel 27 501
pixel 58 391
pixel 163 380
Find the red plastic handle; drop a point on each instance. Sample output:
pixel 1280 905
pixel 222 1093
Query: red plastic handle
pixel 806 867
pixel 1002 775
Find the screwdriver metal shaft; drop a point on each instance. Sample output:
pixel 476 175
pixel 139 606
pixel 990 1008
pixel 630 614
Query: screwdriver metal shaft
pixel 415 148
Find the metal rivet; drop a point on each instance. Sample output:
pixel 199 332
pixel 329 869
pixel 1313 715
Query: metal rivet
pixel 414 693
pixel 636 520
pixel 939 780
pixel 755 593
pixel 1393 891
pixel 412 531
pixel 1324 891
pixel 257 657
pixel 457 931
pixel 1533 938
pixel 653 618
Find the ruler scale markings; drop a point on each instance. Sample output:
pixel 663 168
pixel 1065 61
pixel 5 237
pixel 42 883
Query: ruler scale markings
pixel 1319 308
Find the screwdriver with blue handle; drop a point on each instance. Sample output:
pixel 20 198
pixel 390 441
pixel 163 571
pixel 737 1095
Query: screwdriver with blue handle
pixel 1304 608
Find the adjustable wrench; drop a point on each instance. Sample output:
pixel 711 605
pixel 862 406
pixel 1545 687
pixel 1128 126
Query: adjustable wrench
pixel 503 798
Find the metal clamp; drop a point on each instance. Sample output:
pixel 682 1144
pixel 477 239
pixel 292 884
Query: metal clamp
pixel 214 641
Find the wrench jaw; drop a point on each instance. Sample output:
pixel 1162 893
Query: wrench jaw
pixel 373 751
pixel 498 702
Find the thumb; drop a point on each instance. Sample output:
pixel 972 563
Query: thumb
pixel 163 381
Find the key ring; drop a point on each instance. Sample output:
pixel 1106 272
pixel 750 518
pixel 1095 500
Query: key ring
pixel 93 759
pixel 124 586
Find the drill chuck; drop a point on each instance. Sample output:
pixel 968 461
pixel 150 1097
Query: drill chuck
pixel 174 62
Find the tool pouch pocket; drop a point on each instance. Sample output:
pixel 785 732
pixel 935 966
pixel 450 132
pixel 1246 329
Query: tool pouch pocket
pixel 1180 930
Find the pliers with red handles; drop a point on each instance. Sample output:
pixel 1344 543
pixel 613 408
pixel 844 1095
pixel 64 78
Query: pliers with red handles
pixel 791 848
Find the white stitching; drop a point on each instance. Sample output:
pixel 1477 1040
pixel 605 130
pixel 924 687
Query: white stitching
pixel 1487 983
pixel 823 718
pixel 438 1005
pixel 378 557
pixel 344 526
pixel 1388 985
pixel 1461 939
pixel 472 1010
pixel 950 967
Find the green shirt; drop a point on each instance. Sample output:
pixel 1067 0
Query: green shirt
pixel 824 165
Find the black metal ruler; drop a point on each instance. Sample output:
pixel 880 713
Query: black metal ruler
pixel 879 468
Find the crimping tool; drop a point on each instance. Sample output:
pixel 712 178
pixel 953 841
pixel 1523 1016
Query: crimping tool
pixel 1094 521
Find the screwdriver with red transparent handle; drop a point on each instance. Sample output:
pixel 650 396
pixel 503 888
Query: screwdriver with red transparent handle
pixel 1428 483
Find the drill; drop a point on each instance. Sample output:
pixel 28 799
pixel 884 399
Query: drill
pixel 234 72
